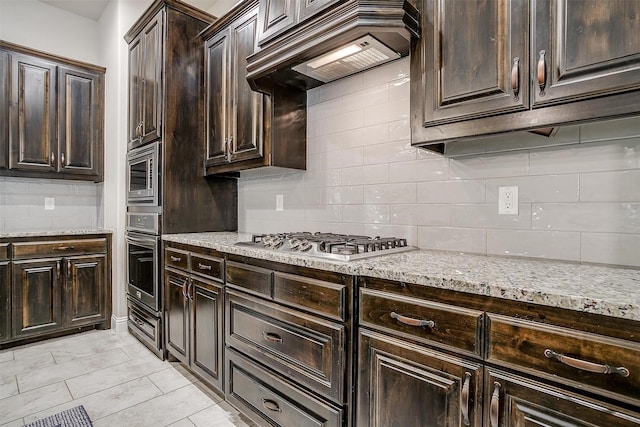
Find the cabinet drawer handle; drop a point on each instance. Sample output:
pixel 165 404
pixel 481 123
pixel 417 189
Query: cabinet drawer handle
pixel 139 322
pixel 271 337
pixel 515 77
pixel 63 248
pixel 586 366
pixel 465 398
pixel 542 71
pixel 412 322
pixel 270 405
pixel 175 258
pixel 495 404
pixel 204 267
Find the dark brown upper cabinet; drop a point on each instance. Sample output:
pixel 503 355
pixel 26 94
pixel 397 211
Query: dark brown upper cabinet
pixel 145 84
pixel 483 68
pixel 166 106
pixel 277 16
pixel 246 129
pixel 53 110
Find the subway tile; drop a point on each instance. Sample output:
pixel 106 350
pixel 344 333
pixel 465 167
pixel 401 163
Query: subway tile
pixel 610 129
pixel 419 170
pixel 391 152
pixel 610 248
pixel 389 112
pixel 45 187
pixel 390 193
pixel 332 227
pixel 394 70
pixel 490 166
pixel 28 224
pixel 400 89
pixel 400 130
pixel 372 174
pixel 539 188
pixel 334 195
pixel 324 143
pixel 14 185
pixel 468 191
pixel 365 136
pixel 345 158
pixel 433 215
pixel 324 110
pixel 619 186
pixel 486 216
pixel 323 178
pixel 323 213
pixel 453 239
pixel 344 122
pixel 377 95
pixel 608 217
pixel 342 87
pixel 399 231
pixel 534 244
pixel 366 214
pixel 592 157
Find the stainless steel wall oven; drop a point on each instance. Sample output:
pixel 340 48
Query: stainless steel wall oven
pixel 143 268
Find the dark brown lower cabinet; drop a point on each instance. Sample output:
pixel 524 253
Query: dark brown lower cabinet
pixel 193 310
pixel 514 401
pixel 52 285
pixel 405 385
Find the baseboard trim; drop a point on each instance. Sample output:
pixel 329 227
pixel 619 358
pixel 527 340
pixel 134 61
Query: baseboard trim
pixel 119 324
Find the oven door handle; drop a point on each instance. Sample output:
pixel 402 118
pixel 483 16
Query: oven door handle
pixel 144 241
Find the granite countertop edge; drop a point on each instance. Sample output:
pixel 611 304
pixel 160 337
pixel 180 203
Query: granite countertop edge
pixel 45 233
pixel 603 290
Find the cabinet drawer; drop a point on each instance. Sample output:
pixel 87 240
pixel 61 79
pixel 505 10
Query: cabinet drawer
pixel 4 251
pixel 314 295
pixel 270 401
pixel 58 248
pixel 429 322
pixel 304 348
pixel 210 267
pixel 250 278
pixel 523 344
pixel 144 325
pixel 176 258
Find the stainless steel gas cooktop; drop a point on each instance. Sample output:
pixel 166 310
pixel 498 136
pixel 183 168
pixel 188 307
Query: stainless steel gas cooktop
pixel 340 247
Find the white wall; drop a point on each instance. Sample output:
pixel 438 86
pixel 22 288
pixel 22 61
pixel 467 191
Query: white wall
pixel 578 202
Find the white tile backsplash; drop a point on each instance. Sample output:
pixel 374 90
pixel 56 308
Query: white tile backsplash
pixel 579 191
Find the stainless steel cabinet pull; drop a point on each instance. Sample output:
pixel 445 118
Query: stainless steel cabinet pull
pixel 270 405
pixel 465 398
pixel 62 162
pixel 185 288
pixel 53 158
pixel 515 77
pixel 586 366
pixel 204 267
pixel 175 258
pixel 542 72
pixel 68 267
pixel 271 337
pixel 139 322
pixel 58 270
pixel 189 290
pixel 495 404
pixel 411 321
pixel 63 248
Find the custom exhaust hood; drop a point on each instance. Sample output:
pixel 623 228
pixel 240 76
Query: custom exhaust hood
pixel 346 38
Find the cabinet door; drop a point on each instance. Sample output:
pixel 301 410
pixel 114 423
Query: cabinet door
pixel 135 92
pixel 79 129
pixel 401 384
pixel 206 331
pixel 218 103
pixel 585 49
pixel 475 57
pixel 247 112
pixel 513 401
pixel 311 7
pixel 151 73
pixel 85 290
pixel 176 314
pixel 4 109
pixel 36 297
pixel 5 302
pixel 32 134
pixel 275 16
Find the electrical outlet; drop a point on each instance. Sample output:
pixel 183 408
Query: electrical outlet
pixel 49 204
pixel 508 200
pixel 279 202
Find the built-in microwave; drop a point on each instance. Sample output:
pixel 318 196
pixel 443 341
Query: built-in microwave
pixel 143 175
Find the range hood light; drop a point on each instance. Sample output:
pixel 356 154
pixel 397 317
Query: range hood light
pixel 359 55
pixel 334 56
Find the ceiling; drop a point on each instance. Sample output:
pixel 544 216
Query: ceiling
pixel 93 9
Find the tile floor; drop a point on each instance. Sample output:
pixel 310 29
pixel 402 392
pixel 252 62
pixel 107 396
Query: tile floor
pixel 117 380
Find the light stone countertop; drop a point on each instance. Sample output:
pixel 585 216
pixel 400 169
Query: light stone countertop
pixel 14 234
pixel 604 290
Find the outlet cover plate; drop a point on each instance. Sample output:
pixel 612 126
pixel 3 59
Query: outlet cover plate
pixel 508 200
